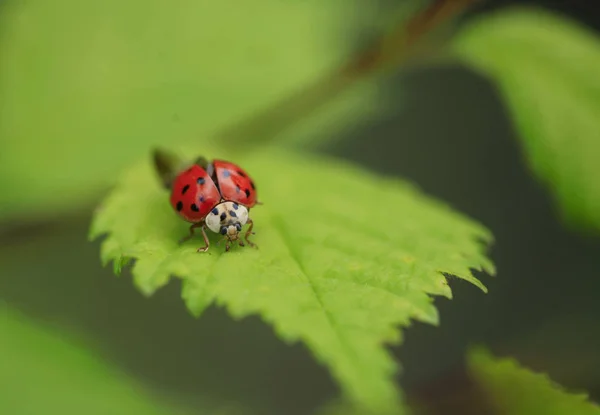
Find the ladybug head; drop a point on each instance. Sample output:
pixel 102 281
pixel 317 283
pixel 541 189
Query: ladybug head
pixel 227 218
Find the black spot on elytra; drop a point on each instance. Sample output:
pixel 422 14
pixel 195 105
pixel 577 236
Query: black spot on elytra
pixel 179 206
pixel 185 189
pixel 194 207
pixel 241 173
pixel 252 185
pixel 223 216
pixel 201 199
pixel 247 191
pixel 200 180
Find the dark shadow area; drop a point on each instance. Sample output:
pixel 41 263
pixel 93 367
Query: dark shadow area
pixel 582 11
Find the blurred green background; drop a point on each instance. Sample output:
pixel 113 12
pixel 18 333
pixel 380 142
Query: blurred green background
pixel 87 87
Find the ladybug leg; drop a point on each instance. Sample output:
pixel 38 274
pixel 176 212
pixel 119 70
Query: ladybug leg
pixel 249 232
pixel 206 243
pixel 203 229
pixel 227 245
pixel 186 238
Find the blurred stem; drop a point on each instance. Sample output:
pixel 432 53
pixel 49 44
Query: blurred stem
pixel 389 51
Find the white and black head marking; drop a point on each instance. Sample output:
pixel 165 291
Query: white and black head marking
pixel 227 218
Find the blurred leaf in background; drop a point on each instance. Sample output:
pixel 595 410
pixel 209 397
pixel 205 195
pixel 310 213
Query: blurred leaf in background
pixel 546 68
pixel 88 87
pixel 513 390
pixel 344 258
pixel 45 372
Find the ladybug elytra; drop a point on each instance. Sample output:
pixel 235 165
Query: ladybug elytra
pixel 216 195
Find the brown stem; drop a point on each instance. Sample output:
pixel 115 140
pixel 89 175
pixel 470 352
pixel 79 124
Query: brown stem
pixel 388 51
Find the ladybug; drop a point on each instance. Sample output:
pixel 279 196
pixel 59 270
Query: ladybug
pixel 216 195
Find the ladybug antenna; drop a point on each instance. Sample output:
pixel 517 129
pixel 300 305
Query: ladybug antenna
pixel 167 166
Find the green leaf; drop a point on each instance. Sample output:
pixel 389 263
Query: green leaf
pixel 45 372
pixel 546 68
pixel 75 109
pixel 344 257
pixel 514 390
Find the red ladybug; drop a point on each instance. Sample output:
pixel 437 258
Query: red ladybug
pixel 216 195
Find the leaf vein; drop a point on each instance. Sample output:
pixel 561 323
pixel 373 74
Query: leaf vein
pixel 277 222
